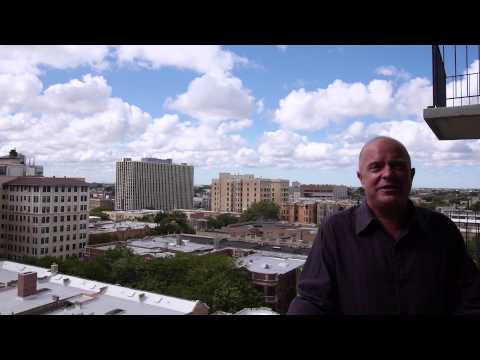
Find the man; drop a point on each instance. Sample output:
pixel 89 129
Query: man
pixel 387 256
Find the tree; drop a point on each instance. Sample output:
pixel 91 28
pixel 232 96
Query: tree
pixel 214 280
pixel 99 212
pixel 263 210
pixel 172 223
pixel 221 221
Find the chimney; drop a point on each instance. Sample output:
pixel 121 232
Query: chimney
pixel 27 284
pixel 54 268
pixel 179 240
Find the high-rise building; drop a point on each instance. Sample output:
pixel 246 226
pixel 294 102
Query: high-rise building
pixel 43 216
pixel 236 193
pixel 153 184
pixel 15 164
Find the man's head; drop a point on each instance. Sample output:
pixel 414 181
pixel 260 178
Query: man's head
pixel 384 169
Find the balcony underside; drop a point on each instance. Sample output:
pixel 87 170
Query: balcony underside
pixel 454 123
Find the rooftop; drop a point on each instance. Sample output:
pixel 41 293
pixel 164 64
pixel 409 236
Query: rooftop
pixel 168 243
pixel 259 263
pixel 52 181
pixel 111 226
pixel 82 296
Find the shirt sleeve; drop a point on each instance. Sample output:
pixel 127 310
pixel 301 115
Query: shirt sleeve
pixel 469 285
pixel 316 288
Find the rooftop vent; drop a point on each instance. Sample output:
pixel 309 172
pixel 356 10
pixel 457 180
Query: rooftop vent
pixel 54 268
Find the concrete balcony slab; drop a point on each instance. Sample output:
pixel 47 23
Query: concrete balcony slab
pixel 454 123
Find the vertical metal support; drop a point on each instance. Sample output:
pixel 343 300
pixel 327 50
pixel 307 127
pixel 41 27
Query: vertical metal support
pixel 468 73
pixel 455 74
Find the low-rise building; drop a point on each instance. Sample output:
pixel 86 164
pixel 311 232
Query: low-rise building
pixel 131 214
pixel 106 204
pixel 32 290
pixel 275 277
pixel 101 231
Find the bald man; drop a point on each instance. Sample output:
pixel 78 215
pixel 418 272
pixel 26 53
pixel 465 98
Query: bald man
pixel 387 256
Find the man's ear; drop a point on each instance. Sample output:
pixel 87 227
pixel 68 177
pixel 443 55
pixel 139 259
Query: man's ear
pixel 359 176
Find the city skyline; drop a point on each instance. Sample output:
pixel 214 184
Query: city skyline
pixel 300 113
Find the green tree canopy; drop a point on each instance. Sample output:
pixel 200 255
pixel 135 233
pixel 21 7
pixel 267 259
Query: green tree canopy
pixel 221 221
pixel 214 280
pixel 263 210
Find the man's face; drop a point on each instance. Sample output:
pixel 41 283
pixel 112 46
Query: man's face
pixel 385 174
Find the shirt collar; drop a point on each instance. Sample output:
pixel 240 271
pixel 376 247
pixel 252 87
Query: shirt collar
pixel 364 216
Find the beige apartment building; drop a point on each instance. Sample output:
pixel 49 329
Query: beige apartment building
pixel 43 216
pixel 236 193
pixel 153 184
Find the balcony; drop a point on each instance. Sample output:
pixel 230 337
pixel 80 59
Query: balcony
pixel 455 113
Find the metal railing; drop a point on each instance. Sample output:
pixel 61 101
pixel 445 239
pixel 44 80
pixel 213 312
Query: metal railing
pixel 455 75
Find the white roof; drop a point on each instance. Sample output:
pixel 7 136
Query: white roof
pixel 111 226
pixel 91 297
pixel 256 311
pixel 269 265
pixel 168 243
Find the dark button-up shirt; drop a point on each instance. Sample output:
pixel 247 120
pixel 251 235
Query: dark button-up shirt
pixel 356 267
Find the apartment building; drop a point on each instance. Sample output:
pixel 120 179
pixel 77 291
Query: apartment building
pixel 43 216
pixel 332 192
pixel 153 184
pixel 236 193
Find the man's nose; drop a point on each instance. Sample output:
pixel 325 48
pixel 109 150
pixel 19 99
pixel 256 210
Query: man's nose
pixel 387 171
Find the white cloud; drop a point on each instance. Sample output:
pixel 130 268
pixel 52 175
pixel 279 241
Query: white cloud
pixel 80 97
pixel 393 71
pixel 286 148
pixel 200 58
pixel 303 110
pixel 75 121
pixel 386 70
pixel 315 110
pixel 214 99
pixel 282 47
pixel 417 137
pixel 20 59
pixel 202 145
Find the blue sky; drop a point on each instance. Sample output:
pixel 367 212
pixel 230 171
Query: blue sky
pixel 295 112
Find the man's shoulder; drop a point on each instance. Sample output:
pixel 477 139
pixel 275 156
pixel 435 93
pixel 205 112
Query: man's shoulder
pixel 436 221
pixel 342 217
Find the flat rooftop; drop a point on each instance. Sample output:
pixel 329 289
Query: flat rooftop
pixel 270 265
pixel 82 296
pixel 169 243
pixel 111 226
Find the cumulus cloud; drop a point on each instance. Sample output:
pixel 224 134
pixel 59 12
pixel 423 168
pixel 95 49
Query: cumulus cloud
pixel 417 137
pixel 202 145
pixel 20 59
pixel 214 98
pixel 200 58
pixel 392 71
pixel 315 110
pixel 78 121
pixel 287 148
